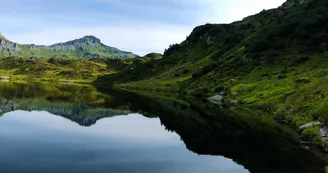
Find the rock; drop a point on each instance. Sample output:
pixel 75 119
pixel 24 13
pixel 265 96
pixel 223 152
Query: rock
pixel 7 47
pixel 308 125
pixel 216 99
pixel 306 147
pixel 323 133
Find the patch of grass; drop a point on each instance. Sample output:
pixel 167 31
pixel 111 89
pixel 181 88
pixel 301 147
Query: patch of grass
pixel 311 134
pixel 56 69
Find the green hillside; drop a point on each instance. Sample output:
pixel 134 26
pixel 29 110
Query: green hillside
pixel 71 70
pixel 275 60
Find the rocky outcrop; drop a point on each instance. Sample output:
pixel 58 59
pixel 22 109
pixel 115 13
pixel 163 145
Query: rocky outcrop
pixel 7 47
pixel 216 99
pixel 75 44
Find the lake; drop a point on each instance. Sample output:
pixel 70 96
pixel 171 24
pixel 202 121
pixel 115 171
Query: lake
pixel 71 128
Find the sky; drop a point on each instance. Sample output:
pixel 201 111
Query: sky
pixel 139 26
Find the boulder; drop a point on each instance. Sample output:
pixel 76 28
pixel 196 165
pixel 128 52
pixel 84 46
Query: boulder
pixel 308 125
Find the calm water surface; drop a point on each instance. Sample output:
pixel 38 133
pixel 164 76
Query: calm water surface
pixel 51 129
pixel 43 142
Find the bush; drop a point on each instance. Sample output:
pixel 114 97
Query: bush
pixel 185 71
pixel 201 92
pixel 301 60
pixel 284 71
pixel 219 88
pixel 206 69
pixel 311 134
pixel 281 76
pixel 303 80
pixel 217 55
pixel 259 45
pixel 321 111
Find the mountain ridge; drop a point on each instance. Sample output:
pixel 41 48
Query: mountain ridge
pixel 86 47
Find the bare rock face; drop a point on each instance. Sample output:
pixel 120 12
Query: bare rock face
pixel 72 45
pixel 7 47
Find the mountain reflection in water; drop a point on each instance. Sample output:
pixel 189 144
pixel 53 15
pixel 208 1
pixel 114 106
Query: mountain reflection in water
pixel 249 138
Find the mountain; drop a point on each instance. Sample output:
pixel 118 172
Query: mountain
pixel 86 47
pixel 275 60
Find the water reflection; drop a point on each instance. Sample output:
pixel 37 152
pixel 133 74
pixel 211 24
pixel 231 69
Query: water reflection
pixel 247 137
pixel 41 142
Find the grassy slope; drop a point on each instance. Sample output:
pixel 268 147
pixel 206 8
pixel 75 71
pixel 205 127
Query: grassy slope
pixel 67 69
pixel 275 60
pixel 53 70
pixel 87 51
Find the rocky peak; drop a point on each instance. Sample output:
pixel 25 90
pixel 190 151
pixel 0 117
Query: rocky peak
pixel 85 40
pixel 78 42
pixel 89 39
pixel 7 47
pixel 74 44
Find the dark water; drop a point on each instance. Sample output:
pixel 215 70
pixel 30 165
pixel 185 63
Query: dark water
pixel 66 128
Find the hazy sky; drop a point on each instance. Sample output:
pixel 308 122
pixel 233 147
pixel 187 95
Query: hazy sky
pixel 140 26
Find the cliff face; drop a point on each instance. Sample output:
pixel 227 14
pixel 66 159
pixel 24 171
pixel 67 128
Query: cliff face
pixel 86 47
pixel 7 47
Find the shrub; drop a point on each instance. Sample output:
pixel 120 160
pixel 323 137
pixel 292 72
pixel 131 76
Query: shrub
pixel 311 134
pixel 301 60
pixel 321 111
pixel 284 71
pixel 206 69
pixel 185 71
pixel 281 76
pixel 219 88
pixel 303 80
pixel 201 92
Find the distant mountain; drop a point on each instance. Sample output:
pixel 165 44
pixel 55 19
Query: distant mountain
pixel 86 47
